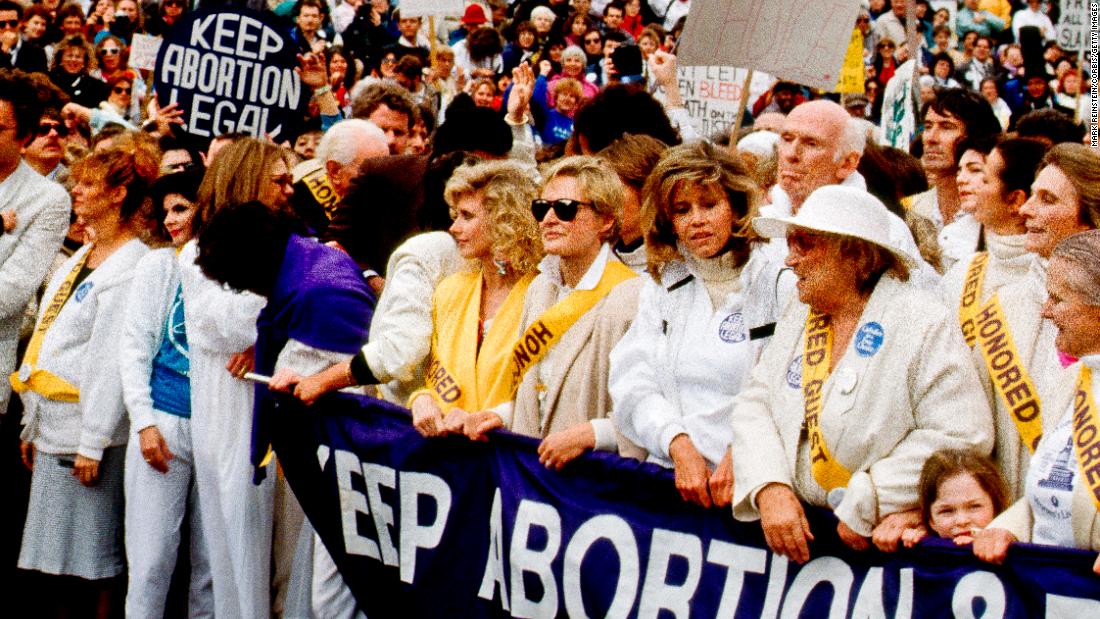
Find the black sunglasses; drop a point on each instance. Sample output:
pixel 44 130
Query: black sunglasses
pixel 119 90
pixel 44 129
pixel 564 210
pixel 10 23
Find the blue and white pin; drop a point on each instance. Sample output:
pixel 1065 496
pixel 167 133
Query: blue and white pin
pixel 869 339
pixel 732 329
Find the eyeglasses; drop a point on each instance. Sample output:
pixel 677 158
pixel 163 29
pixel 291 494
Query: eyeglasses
pixel 9 23
pixel 44 129
pixel 119 90
pixel 389 60
pixel 564 210
pixel 595 40
pixel 803 241
pixel 110 51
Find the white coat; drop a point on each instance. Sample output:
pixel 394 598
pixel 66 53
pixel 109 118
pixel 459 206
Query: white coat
pixel 82 347
pixel 890 402
pixel 157 503
pixel 1022 302
pixel 237 515
pixel 26 253
pixel 682 360
pixel 1008 262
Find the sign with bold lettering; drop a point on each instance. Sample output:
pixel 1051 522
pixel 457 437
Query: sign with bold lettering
pixel 1072 26
pixel 231 69
pixel 452 528
pixel 797 41
pixel 712 95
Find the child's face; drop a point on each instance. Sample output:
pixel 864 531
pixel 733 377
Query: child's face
pixel 961 505
pixel 566 103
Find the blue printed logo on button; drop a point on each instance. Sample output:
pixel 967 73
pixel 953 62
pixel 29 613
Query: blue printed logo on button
pixel 794 373
pixel 82 291
pixel 732 329
pixel 869 339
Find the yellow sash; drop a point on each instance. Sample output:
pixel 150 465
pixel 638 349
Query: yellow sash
pixel 321 188
pixel 541 336
pixel 1086 434
pixel 46 384
pixel 972 295
pixel 1007 373
pixel 816 355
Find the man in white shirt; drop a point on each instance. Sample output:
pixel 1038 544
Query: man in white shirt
pixel 1033 16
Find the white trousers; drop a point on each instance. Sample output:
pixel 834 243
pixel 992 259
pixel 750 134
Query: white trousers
pixel 331 596
pixel 156 504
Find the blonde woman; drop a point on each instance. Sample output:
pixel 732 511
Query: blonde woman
pixel 476 312
pixel 575 311
pixel 703 318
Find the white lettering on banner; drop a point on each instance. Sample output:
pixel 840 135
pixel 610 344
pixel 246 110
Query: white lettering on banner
pixel 377 476
pixel 984 585
pixel 1062 606
pixel 494 564
pixel 249 31
pixel 657 593
pixel 615 530
pixel 414 535
pixel 777 581
pixel 352 503
pixel 870 603
pixel 523 558
pixel 821 570
pixel 737 560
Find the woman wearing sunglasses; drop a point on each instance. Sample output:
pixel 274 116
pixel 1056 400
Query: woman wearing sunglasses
pixel 576 309
pixel 114 59
pixel 476 312
pixel 702 320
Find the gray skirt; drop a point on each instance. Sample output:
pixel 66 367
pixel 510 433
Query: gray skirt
pixel 73 530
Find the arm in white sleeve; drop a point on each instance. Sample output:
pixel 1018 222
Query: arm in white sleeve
pixel 24 269
pixel 141 336
pixel 101 401
pixel 641 412
pixel 218 319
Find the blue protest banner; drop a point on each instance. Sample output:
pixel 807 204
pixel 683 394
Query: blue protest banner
pixel 450 528
pixel 231 69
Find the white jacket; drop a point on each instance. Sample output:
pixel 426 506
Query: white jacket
pixel 26 253
pixel 1008 262
pixel 156 278
pixel 889 403
pixel 82 347
pixel 682 360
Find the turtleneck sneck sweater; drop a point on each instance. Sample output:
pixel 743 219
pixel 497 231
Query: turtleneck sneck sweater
pixel 719 274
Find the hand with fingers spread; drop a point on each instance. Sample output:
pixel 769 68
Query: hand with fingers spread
pixel 311 70
pixel 561 448
pixel 892 528
pixel 784 522
pixel 167 116
pixel 721 481
pixel 692 474
pixel 523 85
pixel 154 449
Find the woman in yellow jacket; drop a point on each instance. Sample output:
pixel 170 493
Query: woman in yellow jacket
pixel 476 312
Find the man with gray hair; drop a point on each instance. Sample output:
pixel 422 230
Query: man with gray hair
pixel 320 183
pixel 821 144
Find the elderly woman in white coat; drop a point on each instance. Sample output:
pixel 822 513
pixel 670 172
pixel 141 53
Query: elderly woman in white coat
pixel 1061 502
pixel 702 319
pixel 1064 200
pixel 221 330
pixel 865 377
pixel 160 485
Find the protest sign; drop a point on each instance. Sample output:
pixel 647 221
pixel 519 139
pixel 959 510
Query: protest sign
pixel 231 69
pixel 852 73
pixel 143 52
pixel 453 528
pixel 799 41
pixel 899 114
pixel 712 95
pixel 415 8
pixel 1070 31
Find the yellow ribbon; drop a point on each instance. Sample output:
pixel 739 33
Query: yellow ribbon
pixel 971 298
pixel 1010 378
pixel 541 336
pixel 320 187
pixel 816 356
pixel 47 384
pixel 1086 434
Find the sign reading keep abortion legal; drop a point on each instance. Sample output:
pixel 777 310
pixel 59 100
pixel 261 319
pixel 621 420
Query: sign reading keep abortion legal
pixel 231 69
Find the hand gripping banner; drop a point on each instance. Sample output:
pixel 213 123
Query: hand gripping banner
pixel 452 528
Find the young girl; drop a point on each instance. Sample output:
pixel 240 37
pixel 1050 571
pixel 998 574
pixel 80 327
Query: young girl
pixel 960 492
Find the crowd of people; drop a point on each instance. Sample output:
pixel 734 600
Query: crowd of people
pixel 510 222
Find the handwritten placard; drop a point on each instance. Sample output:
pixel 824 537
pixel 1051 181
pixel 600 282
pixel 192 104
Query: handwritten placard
pixel 795 40
pixel 1071 27
pixel 143 52
pixel 713 94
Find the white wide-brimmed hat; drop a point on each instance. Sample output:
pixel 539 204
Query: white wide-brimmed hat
pixel 840 210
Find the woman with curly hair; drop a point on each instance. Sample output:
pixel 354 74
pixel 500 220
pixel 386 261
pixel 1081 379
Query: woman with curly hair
pixel 75 429
pixel 476 312
pixel 701 321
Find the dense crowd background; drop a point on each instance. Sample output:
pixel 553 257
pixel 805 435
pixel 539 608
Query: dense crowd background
pixel 511 221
